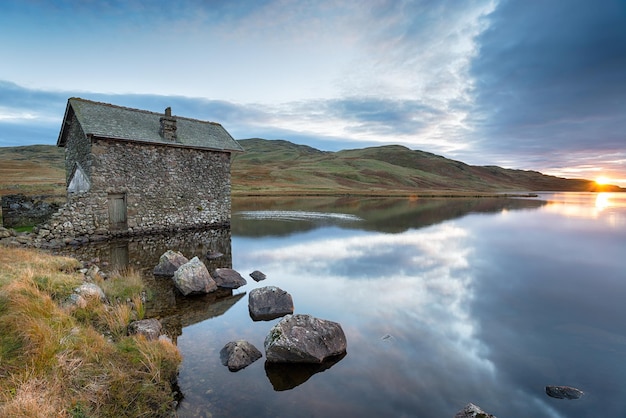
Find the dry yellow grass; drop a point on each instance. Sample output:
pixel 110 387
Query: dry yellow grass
pixel 32 170
pixel 55 363
pixel 30 178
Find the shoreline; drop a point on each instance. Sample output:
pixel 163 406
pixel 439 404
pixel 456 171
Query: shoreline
pixel 383 194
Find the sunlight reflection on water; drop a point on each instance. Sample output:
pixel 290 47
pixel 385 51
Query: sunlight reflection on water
pixel 608 207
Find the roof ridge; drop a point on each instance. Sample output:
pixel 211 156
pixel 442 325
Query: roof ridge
pixel 141 110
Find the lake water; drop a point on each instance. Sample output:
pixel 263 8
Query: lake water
pixel 443 302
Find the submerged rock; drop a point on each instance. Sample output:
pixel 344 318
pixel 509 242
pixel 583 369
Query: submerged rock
pixel 258 276
pixel 193 278
pixel 268 303
pixel 239 354
pixel 149 328
pixel 228 278
pixel 472 411
pixel 563 392
pixel 169 262
pixel 304 339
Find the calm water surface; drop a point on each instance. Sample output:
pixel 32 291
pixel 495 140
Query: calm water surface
pixel 443 302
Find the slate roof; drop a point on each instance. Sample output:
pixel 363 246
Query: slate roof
pixel 116 122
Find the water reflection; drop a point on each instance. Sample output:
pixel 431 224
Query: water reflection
pixel 165 302
pixel 143 252
pixel 404 301
pixel 443 302
pixel 603 201
pixel 392 215
pixel 608 207
pixel 288 376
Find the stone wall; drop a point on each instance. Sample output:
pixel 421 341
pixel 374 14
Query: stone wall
pixel 77 150
pixel 164 188
pixel 20 210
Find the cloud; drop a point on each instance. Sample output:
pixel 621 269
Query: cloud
pixel 549 79
pixel 329 124
pixel 511 83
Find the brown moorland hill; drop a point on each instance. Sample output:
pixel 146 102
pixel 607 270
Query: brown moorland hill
pixel 32 170
pixel 282 167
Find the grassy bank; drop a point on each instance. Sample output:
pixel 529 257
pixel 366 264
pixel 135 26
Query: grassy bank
pixel 60 360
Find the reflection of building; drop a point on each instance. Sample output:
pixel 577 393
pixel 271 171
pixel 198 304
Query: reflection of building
pixel 131 171
pixel 142 253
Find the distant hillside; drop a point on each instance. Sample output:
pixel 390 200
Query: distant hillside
pixel 34 169
pixel 282 167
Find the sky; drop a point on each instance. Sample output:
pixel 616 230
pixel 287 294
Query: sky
pixel 526 84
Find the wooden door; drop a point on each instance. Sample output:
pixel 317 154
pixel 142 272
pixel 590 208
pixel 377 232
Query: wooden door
pixel 117 212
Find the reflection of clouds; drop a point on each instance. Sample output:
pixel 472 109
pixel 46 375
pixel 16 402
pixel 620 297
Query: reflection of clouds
pixel 412 250
pixel 415 286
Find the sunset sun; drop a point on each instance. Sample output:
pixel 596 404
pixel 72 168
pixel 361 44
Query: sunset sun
pixel 602 180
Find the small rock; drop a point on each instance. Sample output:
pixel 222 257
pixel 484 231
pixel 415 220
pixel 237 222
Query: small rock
pixel 149 328
pixel 90 291
pixel 169 262
pixel 212 255
pixel 258 276
pixel 24 239
pixel 194 278
pixel 472 411
pixel 76 300
pixel 238 355
pixel 55 244
pixel 269 302
pixel 228 278
pixel 94 273
pixel 563 392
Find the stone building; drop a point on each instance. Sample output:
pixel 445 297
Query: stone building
pixel 131 171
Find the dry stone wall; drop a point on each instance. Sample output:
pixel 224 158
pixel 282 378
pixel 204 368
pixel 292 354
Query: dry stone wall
pixel 20 210
pixel 162 188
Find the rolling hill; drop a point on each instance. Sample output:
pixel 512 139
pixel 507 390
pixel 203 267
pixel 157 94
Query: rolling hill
pixel 281 167
pixel 34 169
pixel 277 166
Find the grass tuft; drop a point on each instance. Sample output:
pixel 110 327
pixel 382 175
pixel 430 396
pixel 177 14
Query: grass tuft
pixel 123 284
pixel 79 362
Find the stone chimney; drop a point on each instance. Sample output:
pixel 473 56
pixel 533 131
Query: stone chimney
pixel 168 126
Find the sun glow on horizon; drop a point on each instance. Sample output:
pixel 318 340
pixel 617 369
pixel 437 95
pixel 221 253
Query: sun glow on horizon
pixel 602 180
